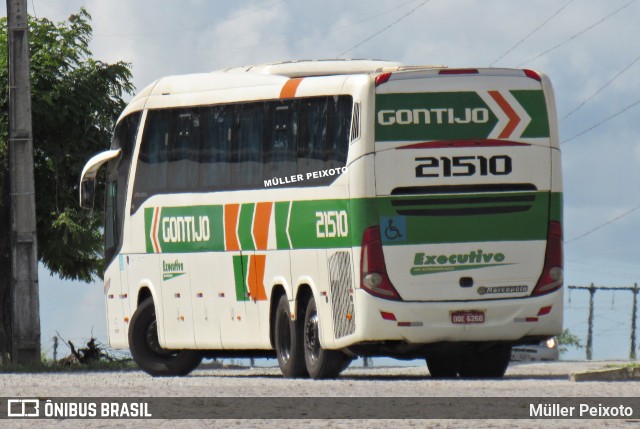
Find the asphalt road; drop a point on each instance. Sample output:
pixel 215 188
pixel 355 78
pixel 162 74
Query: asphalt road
pixel 260 385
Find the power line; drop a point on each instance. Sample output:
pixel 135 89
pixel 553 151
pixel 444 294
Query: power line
pixel 277 42
pixel 535 30
pixel 316 35
pixel 406 15
pixel 579 106
pixel 578 33
pixel 609 222
pixel 195 27
pixel 591 128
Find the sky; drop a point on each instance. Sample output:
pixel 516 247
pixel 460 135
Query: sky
pixel 589 48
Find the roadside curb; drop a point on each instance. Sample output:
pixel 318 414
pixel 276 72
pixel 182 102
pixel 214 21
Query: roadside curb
pixel 614 374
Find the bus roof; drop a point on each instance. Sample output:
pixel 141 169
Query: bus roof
pixel 307 68
pixel 266 80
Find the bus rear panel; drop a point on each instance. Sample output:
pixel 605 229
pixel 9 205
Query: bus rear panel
pixel 468 203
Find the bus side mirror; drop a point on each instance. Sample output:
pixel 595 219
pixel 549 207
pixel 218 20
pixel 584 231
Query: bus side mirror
pixel 87 193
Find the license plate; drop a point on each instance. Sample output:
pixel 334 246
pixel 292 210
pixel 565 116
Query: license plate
pixel 467 316
pixel 520 356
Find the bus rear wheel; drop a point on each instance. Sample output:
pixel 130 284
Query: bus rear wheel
pixel 288 342
pixel 443 367
pixel 491 362
pixel 321 363
pixel 147 352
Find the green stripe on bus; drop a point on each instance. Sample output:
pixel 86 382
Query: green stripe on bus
pixel 534 103
pixel 185 229
pixel 340 223
pixel 320 224
pixel 244 226
pixel 281 217
pixel 555 208
pixel 432 116
pixel 239 264
pixel 148 222
pixel 468 218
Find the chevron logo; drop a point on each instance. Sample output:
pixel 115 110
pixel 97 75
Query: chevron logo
pixel 153 233
pixel 513 119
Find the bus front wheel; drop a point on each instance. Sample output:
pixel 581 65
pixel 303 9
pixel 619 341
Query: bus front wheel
pixel 288 342
pixel 321 363
pixel 147 352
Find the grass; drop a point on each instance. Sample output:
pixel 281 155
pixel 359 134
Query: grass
pixel 93 357
pixel 633 365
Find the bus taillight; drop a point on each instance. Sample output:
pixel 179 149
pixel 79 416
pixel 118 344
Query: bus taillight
pixel 382 78
pixel 552 273
pixel 373 271
pixel 532 74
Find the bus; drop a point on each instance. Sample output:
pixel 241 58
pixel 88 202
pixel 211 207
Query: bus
pixel 318 211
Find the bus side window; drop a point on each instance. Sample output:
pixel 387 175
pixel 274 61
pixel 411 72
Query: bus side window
pixel 184 145
pixel 280 149
pixel 312 136
pixel 216 149
pixel 151 170
pixel 251 129
pixel 338 127
pixel 124 138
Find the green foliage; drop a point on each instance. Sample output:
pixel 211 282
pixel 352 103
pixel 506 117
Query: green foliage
pixel 75 103
pixel 567 339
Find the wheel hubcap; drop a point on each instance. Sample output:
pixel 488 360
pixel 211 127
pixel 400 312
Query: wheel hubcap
pixel 311 340
pixel 152 340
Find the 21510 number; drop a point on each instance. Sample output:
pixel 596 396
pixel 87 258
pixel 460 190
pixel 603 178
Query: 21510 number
pixel 331 224
pixel 444 166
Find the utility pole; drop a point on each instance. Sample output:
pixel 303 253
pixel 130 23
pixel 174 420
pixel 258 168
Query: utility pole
pixel 25 302
pixel 634 318
pixel 592 292
pixel 634 314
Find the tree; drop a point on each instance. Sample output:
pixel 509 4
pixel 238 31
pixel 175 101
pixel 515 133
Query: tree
pixel 75 103
pixel 568 339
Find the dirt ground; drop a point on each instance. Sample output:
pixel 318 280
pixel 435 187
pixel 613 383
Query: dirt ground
pixel 540 380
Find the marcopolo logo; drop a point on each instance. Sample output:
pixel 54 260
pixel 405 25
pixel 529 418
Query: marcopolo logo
pixel 171 270
pixel 484 290
pixel 428 264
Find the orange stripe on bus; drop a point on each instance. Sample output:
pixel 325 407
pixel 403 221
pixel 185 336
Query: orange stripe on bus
pixel 230 226
pixel 290 87
pixel 261 220
pixel 256 277
pixel 514 119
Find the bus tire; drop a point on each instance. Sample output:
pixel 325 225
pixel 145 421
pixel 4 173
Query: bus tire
pixel 147 352
pixel 321 363
pixel 443 367
pixel 491 362
pixel 288 342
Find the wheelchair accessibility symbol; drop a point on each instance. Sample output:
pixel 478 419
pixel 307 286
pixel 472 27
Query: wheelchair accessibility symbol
pixel 393 228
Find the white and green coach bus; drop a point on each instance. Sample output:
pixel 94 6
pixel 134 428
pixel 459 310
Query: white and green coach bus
pixel 315 211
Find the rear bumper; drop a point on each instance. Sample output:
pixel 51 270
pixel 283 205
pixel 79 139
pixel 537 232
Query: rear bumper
pixel 506 320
